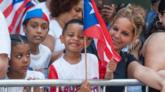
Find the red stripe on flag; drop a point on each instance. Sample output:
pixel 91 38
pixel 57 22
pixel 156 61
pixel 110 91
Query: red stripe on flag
pixel 101 46
pixel 19 27
pixel 108 53
pixel 102 24
pixel 17 15
pixel 95 33
pixel 0 1
pixel 20 22
pixel 100 50
pixel 104 31
pixel 103 50
pixel 8 10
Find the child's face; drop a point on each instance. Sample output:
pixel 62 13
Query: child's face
pixel 20 58
pixel 36 30
pixel 121 33
pixel 73 38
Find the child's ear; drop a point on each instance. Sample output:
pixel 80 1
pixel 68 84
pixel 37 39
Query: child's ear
pixel 62 38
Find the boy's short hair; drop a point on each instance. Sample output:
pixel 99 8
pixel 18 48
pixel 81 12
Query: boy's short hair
pixel 73 21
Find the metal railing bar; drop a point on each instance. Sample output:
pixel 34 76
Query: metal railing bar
pixel 48 82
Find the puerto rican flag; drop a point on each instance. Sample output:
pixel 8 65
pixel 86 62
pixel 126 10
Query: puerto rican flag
pixel 95 27
pixel 14 10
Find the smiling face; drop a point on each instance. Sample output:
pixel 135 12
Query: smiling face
pixel 20 58
pixel 36 30
pixel 73 38
pixel 122 33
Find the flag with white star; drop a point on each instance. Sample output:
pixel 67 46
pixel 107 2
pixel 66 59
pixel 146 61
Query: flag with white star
pixel 95 27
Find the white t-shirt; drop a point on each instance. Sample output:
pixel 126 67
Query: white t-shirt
pixel 29 75
pixel 41 61
pixel 5 43
pixel 65 70
pixel 55 30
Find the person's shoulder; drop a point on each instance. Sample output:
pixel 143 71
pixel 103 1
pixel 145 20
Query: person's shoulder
pixel 91 57
pixel 54 28
pixel 128 57
pixel 156 36
pixel 54 24
pixel 90 54
pixel 58 61
pixel 155 39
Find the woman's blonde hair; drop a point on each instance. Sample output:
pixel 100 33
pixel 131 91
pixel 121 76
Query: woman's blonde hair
pixel 135 14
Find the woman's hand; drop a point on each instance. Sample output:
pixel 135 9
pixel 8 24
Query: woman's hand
pixel 111 67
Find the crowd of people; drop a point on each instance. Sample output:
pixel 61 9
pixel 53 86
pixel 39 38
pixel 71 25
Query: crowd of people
pixel 51 46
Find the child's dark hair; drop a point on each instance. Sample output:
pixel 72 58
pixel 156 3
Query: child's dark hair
pixel 25 22
pixel 17 39
pixel 73 21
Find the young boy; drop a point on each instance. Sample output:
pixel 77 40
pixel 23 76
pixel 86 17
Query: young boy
pixel 71 65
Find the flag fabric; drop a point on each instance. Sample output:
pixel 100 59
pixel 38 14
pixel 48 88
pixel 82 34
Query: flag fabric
pixel 95 27
pixel 13 11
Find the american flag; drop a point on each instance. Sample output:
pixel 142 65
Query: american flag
pixel 95 27
pixel 13 10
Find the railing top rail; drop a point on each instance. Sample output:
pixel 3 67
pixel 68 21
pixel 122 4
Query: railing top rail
pixel 48 82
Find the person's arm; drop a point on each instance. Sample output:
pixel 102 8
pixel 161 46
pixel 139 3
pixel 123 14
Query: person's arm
pixel 154 53
pixel 5 46
pixel 161 73
pixel 3 65
pixel 146 75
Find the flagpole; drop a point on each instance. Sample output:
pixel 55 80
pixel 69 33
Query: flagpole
pixel 85 48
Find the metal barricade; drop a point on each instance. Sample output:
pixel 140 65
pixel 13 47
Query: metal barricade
pixel 41 83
